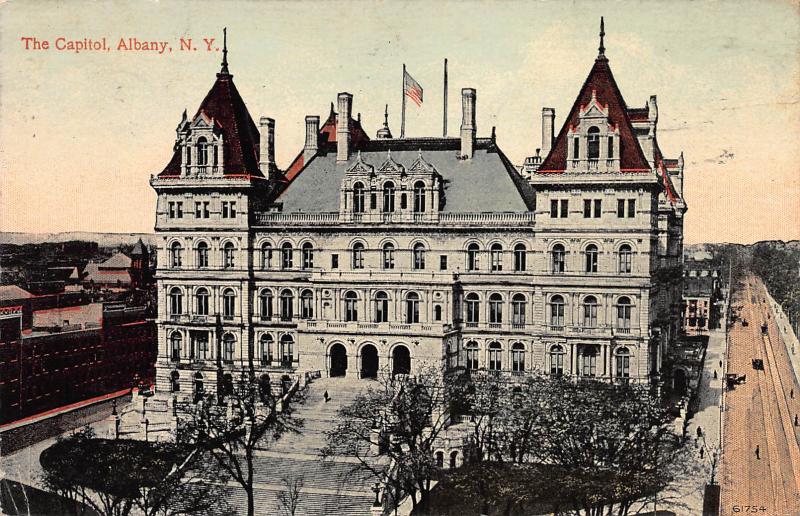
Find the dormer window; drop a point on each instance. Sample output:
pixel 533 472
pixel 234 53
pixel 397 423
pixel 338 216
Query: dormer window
pixel 358 198
pixel 388 197
pixel 593 143
pixel 419 197
pixel 202 151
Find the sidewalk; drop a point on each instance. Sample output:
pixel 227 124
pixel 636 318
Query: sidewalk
pixel 689 489
pixel 789 338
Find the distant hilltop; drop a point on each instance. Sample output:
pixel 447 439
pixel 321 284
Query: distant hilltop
pixel 102 239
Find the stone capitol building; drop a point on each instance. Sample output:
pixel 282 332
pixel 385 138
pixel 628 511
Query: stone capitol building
pixel 381 254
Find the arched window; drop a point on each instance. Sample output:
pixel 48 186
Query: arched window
pixel 175 301
pixel 625 259
pixel 175 381
pixel 266 255
pixel 440 459
pixel 308 256
pixel 381 307
pixel 496 255
pixel 201 301
pixel 472 355
pixel 590 312
pixel 228 256
pixel 473 306
pixel 358 198
pixel 518 308
pixel 622 358
pixel 358 256
pixel 558 259
pixel 202 255
pixel 591 258
pixel 473 257
pixel 228 346
pixel 202 151
pixel 175 344
pixel 266 348
pixel 350 306
pixel 388 197
pixel 307 304
pixel 593 143
pixel 265 300
pixel 176 254
pixel 287 350
pixel 495 356
pixel 624 314
pixel 412 308
pixel 495 309
pixel 287 256
pixel 228 304
pixel 437 313
pixel 557 312
pixel 419 197
pixel 520 258
pixel 287 305
pixel 518 357
pixel 419 256
pixel 388 255
pixel 557 354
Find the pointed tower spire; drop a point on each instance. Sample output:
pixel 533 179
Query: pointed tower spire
pixel 384 131
pixel 602 48
pixel 224 51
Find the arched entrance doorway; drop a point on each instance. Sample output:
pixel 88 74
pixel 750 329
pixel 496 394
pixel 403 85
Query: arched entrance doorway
pixel 369 361
pixel 338 355
pixel 679 381
pixel 401 360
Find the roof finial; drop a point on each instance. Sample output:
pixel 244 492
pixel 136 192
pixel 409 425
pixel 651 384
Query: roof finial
pixel 602 48
pixel 224 50
pixel 386 116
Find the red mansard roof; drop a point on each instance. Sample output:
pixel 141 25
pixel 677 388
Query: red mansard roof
pixel 239 133
pixel 601 81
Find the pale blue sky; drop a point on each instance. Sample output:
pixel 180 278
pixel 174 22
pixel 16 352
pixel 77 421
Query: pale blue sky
pixel 81 133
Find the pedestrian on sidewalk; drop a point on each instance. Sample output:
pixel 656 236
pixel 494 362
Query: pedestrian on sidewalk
pixel 758 452
pixel 702 452
pixel 795 420
pixel 326 396
pixel 720 364
pixel 699 432
pixel 791 393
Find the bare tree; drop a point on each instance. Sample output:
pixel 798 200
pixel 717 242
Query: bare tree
pixel 289 498
pixel 400 420
pixel 231 427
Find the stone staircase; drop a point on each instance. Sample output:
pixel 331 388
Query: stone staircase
pixel 330 486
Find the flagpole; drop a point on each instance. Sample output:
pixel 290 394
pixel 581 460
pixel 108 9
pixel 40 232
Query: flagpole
pixel 444 116
pixel 403 115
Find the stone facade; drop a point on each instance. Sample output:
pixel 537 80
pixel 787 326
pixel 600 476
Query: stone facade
pixel 369 255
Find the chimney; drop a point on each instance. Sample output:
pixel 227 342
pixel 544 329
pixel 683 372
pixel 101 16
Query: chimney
pixel 343 127
pixel 548 126
pixel 267 145
pixel 468 123
pixel 312 137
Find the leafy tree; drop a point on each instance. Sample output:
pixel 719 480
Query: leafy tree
pixel 401 418
pixel 231 427
pixel 114 477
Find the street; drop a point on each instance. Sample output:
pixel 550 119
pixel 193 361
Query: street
pixel 761 457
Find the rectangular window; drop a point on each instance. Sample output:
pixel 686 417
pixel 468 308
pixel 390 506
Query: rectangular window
pixel 443 262
pixel 592 208
pixel 179 209
pixel 225 210
pixel 373 201
pixel 576 145
pixel 206 211
pixel 564 208
pixel 587 208
pixel 334 261
pixel 610 147
pixel 620 208
pixel 403 202
pixel 171 210
pixel 631 208
pixel 198 209
pixel 598 208
pixel 553 208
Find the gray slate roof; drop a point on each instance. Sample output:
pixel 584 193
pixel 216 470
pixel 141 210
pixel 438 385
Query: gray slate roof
pixel 486 183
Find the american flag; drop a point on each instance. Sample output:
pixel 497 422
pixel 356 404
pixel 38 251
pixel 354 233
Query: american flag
pixel 412 89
